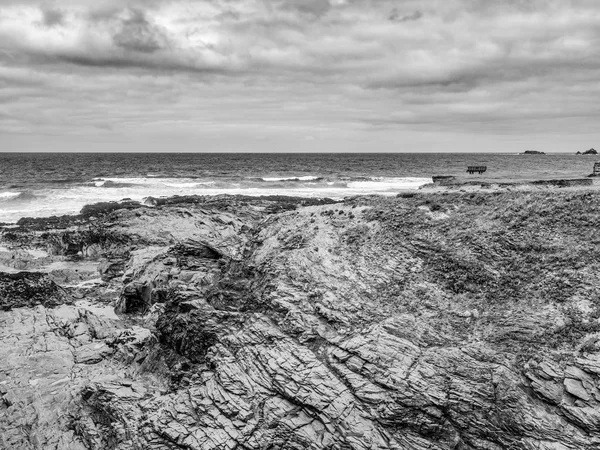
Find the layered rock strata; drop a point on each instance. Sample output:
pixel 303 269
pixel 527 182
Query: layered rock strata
pixel 455 321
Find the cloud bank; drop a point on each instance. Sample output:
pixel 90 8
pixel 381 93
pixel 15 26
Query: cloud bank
pixel 258 75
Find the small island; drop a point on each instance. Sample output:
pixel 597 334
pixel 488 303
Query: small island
pixel 591 151
pixel 532 152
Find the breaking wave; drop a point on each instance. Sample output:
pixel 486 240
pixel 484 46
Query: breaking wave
pixel 71 198
pixel 9 195
pixel 304 178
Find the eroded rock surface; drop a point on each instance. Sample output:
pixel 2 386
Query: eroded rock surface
pixel 421 322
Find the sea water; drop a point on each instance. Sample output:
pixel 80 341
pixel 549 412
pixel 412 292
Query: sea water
pixel 41 185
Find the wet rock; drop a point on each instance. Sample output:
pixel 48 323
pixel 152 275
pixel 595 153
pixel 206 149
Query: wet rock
pixel 28 289
pixel 443 180
pixel 104 208
pixel 150 201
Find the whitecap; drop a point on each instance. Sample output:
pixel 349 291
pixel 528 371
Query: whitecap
pixel 9 195
pixel 305 178
pixel 381 183
pixel 188 185
pixel 125 180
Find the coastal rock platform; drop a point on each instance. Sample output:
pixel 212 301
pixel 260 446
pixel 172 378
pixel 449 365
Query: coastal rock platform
pixel 451 181
pixel 431 320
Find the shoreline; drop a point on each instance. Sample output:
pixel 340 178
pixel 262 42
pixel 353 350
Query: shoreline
pixel 444 183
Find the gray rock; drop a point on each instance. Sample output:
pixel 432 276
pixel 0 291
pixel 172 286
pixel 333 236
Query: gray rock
pixel 92 353
pixel 576 388
pixel 375 333
pixel 111 269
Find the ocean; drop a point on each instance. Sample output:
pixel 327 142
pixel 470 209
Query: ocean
pixel 42 185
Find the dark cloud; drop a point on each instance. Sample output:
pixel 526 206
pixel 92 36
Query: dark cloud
pixel 140 35
pixel 315 8
pixel 52 17
pixel 101 61
pixel 102 13
pixel 397 16
pixel 158 66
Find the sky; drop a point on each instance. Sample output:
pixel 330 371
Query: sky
pixel 299 75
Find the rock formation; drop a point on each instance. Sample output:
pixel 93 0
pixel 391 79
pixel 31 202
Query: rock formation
pixel 591 151
pixel 427 321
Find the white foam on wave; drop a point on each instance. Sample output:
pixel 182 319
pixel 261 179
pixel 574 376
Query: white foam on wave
pixel 379 184
pixel 305 178
pixel 49 202
pixel 151 181
pixel 125 180
pixel 190 185
pixel 8 195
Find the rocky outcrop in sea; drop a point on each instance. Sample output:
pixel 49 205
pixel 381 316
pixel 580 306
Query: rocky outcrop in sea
pixel 426 321
pixel 591 151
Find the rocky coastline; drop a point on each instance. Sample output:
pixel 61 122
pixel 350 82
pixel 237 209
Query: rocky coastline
pixel 430 320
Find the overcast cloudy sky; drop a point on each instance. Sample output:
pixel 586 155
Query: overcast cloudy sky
pixel 299 75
